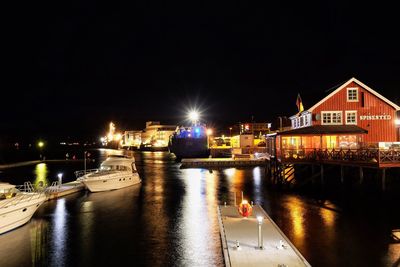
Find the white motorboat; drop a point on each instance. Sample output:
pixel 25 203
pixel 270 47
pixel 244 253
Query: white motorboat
pixel 17 205
pixel 115 172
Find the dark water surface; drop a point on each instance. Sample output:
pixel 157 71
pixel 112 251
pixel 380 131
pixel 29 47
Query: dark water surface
pixel 171 220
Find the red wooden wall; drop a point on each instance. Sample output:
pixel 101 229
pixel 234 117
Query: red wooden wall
pixel 378 130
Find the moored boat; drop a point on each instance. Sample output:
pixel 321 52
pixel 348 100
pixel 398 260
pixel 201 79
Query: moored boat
pixel 18 204
pixel 115 172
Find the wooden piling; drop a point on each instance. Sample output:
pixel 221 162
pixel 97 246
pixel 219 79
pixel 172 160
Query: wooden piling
pixel 361 175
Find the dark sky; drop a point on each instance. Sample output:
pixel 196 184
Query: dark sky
pixel 71 67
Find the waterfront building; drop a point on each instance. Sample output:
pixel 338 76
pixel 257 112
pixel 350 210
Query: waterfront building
pixel 132 139
pixel 255 128
pixel 353 104
pixel 351 117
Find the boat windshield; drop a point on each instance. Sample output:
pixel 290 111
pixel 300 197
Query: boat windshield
pixel 114 168
pixel 8 193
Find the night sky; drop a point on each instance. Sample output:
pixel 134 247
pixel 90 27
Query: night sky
pixel 72 67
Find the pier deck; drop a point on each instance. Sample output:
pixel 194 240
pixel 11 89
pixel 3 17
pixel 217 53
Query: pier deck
pixel 234 227
pixel 64 189
pixel 220 162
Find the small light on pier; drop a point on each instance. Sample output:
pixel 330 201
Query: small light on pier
pixel 260 236
pixel 59 175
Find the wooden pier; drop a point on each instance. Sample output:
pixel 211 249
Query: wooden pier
pixel 56 191
pixel 239 238
pixel 282 167
pixel 221 162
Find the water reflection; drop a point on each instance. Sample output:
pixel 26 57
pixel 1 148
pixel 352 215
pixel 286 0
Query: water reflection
pixel 38 235
pixel 41 172
pixel 296 218
pixel 257 185
pixel 171 220
pixel 59 233
pixel 198 218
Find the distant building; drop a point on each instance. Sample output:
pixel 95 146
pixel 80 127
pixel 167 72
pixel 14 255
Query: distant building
pixel 132 139
pixel 255 128
pixel 156 135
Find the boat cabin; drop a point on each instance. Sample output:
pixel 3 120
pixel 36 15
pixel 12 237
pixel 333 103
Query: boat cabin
pixel 118 164
pixel 7 191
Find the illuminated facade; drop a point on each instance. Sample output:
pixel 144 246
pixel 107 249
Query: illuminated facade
pixel 354 103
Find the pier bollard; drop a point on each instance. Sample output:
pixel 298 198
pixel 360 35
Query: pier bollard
pixel 260 236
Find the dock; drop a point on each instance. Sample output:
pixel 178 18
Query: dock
pixel 55 191
pixel 221 162
pixel 236 230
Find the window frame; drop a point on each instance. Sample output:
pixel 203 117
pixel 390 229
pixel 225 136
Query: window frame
pixel 331 117
pixel 355 116
pixel 347 95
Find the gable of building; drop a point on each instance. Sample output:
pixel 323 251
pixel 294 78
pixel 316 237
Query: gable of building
pixel 360 84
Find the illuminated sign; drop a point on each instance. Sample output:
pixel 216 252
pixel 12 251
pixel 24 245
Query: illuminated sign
pixel 375 117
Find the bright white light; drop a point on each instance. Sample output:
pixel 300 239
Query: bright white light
pixel 209 131
pixel 102 139
pixel 397 121
pixel 60 175
pixel 193 116
pixel 260 219
pixel 117 136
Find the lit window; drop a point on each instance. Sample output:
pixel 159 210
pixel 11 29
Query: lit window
pixel 351 117
pixel 352 94
pixel 331 117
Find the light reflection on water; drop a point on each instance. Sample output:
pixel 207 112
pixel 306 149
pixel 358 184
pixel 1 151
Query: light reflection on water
pixel 59 223
pixel 171 220
pixel 41 173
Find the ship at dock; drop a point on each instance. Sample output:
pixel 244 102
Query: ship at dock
pixel 189 142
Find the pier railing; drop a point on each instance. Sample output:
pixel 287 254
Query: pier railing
pixel 362 155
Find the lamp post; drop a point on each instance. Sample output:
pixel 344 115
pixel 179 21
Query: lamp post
pixel 230 131
pixel 84 161
pixel 41 145
pixel 209 132
pixel 260 236
pixel 60 175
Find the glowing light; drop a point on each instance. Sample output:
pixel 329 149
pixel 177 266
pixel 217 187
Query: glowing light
pixel 397 122
pixel 117 136
pixel 260 219
pixel 194 116
pixel 40 144
pixel 209 132
pixel 60 175
pixel 102 139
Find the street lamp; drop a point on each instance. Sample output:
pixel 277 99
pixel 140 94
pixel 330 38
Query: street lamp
pixel 194 116
pixel 260 237
pixel 230 131
pixel 40 144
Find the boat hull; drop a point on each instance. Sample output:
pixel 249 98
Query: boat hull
pixel 189 147
pixel 113 183
pixel 14 216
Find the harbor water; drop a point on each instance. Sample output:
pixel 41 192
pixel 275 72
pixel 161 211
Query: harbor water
pixel 170 219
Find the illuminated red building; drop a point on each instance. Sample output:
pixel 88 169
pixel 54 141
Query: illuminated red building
pixel 351 116
pixel 354 103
